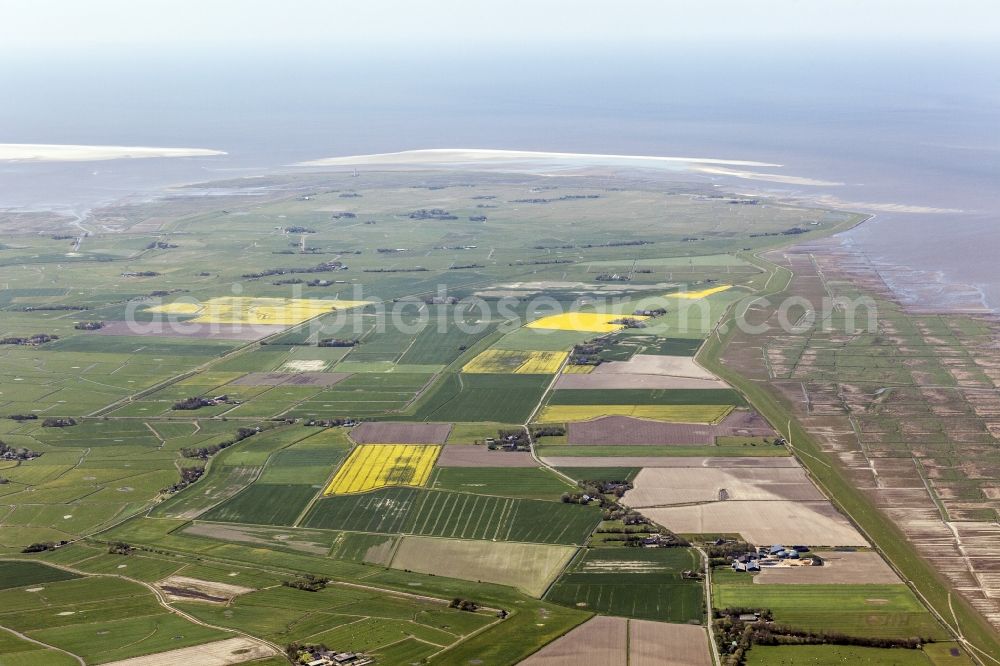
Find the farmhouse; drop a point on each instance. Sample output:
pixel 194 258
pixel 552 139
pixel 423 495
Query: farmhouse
pixel 331 658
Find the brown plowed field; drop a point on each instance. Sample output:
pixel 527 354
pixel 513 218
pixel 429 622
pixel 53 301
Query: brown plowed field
pixel 602 641
pixel 858 568
pixel 657 643
pixel 459 455
pixel 628 430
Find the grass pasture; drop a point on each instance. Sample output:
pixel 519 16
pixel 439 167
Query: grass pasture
pixel 648 397
pixel 22 574
pixel 890 611
pixel 833 655
pixel 264 504
pixel 100 619
pixel 528 482
pixel 642 583
pixel 425 512
pixel 472 397
pixel 527 567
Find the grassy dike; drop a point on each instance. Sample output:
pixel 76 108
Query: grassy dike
pixel 953 610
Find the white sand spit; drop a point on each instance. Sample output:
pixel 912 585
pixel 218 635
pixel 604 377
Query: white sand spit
pixel 768 177
pixel 480 155
pixel 50 152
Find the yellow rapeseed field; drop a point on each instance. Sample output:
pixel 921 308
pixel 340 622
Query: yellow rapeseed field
pixel 590 322
pixel 691 295
pixel 502 361
pixel 673 413
pixel 372 466
pixel 578 369
pixel 248 310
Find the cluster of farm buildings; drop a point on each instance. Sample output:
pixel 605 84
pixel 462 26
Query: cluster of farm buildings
pixel 772 556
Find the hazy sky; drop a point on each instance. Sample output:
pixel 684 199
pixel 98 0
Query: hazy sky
pixel 29 25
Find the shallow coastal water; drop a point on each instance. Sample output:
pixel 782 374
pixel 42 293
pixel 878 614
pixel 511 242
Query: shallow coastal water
pixel 903 131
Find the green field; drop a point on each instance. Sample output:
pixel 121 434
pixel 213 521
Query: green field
pixel 100 619
pixel 457 515
pixel 530 482
pixel 830 655
pixel 502 398
pixel 643 583
pixel 647 397
pixel 890 611
pixel 265 504
pixel 21 574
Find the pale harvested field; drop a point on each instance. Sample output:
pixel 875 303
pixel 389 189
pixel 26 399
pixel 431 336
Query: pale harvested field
pixel 306 541
pixel 529 567
pixel 667 461
pixel 374 432
pixel 459 455
pixel 658 643
pixel 219 653
pixel 610 430
pixel 649 364
pixel 601 641
pixel 860 568
pixel 182 588
pixel 177 329
pixel 291 378
pixel 609 380
pixel 665 486
pixel 806 523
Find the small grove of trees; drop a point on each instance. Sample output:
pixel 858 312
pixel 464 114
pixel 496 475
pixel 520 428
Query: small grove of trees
pixel 464 604
pixel 42 546
pixel 119 548
pixel 736 636
pixel 188 476
pixel 299 653
pixel 548 431
pixel 23 417
pixel 307 582
pixel 338 342
pixel 600 491
pixel 197 402
pixel 332 423
pixel 205 452
pixel 88 325
pixel 31 340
